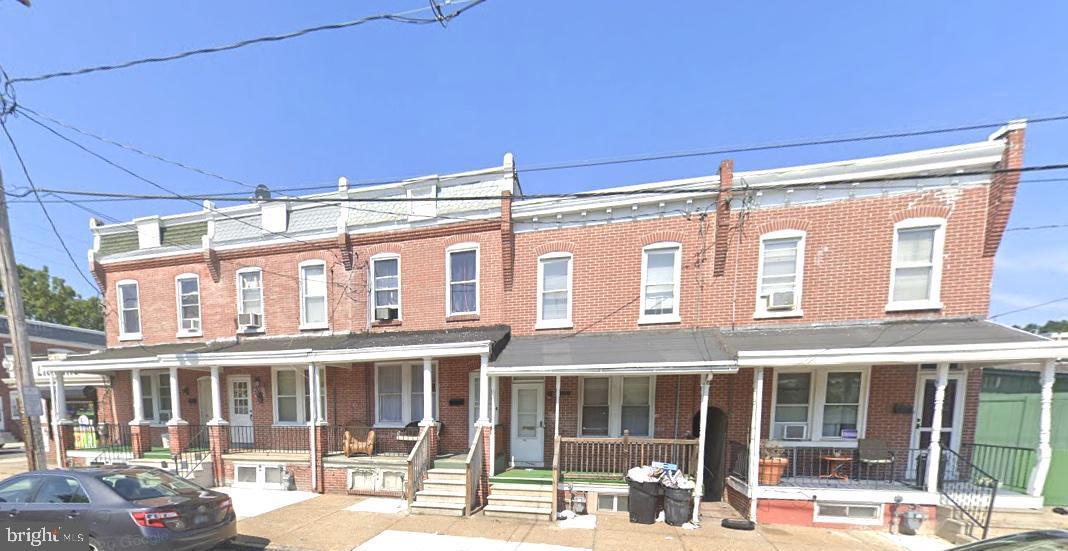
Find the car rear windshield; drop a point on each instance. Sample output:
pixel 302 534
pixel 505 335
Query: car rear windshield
pixel 134 485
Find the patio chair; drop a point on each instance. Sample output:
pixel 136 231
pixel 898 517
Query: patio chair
pixel 358 438
pixel 872 453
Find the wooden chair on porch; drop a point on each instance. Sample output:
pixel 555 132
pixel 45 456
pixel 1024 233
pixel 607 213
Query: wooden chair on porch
pixel 872 454
pixel 358 438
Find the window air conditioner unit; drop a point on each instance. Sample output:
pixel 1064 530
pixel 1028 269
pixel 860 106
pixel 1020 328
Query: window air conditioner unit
pixel 795 431
pixel 781 300
pixel 191 325
pixel 386 313
pixel 249 320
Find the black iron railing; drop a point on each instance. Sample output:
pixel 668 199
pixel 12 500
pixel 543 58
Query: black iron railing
pixel 196 451
pixel 269 438
pixel 738 460
pixel 113 441
pixel 1010 465
pixel 969 489
pixel 806 466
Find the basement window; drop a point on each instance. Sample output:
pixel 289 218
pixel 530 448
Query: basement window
pixel 612 503
pixel 848 513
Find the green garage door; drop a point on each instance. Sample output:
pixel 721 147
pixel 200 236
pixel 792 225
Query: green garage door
pixel 1008 416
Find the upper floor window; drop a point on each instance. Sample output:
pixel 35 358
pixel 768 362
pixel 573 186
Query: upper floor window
pixel 187 288
pixel 385 287
pixel 661 267
pixel 313 295
pixel 129 310
pixel 782 262
pixel 916 267
pixel 461 294
pixel 250 299
pixel 13 401
pixel 611 405
pixel 293 395
pixel 399 393
pixel 554 291
pixel 819 404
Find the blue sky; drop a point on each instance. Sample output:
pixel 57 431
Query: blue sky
pixel 548 80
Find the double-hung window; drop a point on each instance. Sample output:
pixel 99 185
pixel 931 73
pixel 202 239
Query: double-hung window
pixel 399 393
pixel 13 401
pixel 250 298
pixel 916 268
pixel 461 293
pixel 611 406
pixel 385 288
pixel 554 291
pixel 187 289
pixel 156 397
pixel 129 310
pixel 292 395
pixel 313 295
pixel 661 266
pixel 779 281
pixel 819 404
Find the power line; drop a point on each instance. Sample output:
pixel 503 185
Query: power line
pixel 1032 228
pixel 1031 307
pixel 399 17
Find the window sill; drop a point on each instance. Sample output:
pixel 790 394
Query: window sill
pixel 130 337
pixel 251 331
pixel 653 320
pixel 844 444
pixel 182 335
pixel 778 314
pixel 392 323
pixel 554 325
pixel 912 306
pixel 314 327
pixel 461 317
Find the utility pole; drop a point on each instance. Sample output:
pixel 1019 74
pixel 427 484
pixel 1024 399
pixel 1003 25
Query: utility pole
pixel 20 340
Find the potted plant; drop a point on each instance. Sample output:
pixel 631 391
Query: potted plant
pixel 773 462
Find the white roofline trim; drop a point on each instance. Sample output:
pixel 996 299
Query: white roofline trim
pixel 652 368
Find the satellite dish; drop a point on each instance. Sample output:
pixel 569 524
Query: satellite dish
pixel 262 193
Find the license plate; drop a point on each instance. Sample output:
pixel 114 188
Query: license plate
pixel 200 519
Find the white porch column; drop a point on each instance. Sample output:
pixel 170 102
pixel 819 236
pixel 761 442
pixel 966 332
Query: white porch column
pixel 59 399
pixel 176 399
pixel 428 392
pixel 138 406
pixel 754 439
pixel 483 391
pixel 699 488
pixel 1045 429
pixel 56 437
pixel 216 398
pixel 315 416
pixel 934 449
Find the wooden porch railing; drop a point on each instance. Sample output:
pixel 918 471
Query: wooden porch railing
pixel 418 464
pixel 556 479
pixel 474 472
pixel 586 457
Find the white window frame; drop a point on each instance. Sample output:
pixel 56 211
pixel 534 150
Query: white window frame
pixel 13 403
pixel 406 393
pixel 302 395
pixel 304 324
pixel 818 400
pixel 125 335
pixel 561 323
pixel 241 303
pixel 674 316
pixel 762 311
pixel 934 301
pixel 178 302
pixel 615 404
pixel 459 248
pixel 152 392
pixel 372 284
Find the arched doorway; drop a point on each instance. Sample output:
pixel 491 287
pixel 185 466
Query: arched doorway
pixel 715 452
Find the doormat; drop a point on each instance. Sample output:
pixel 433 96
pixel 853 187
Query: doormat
pixel 386 505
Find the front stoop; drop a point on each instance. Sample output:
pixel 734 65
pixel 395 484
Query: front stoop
pixel 444 492
pixel 525 501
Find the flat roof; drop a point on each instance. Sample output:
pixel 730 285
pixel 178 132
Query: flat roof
pixel 675 346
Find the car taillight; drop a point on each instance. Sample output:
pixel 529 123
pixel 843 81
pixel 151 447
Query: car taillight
pixel 153 519
pixel 226 504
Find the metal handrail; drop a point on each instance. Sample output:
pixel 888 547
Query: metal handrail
pixel 971 488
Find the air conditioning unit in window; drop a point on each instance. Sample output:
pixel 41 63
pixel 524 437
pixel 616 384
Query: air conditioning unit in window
pixel 795 431
pixel 781 300
pixel 248 321
pixel 191 325
pixel 386 313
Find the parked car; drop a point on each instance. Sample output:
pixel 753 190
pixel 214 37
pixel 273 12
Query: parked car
pixel 120 507
pixel 1040 540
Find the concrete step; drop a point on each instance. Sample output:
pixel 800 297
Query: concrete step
pixel 522 490
pixel 445 485
pixel 440 497
pixel 507 511
pixel 508 500
pixel 437 508
pixel 447 474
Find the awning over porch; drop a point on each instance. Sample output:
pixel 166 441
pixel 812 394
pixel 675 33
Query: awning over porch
pixel 653 351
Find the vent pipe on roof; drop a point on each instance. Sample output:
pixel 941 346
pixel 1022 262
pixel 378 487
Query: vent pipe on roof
pixel 262 193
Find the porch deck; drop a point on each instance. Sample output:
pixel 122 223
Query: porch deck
pixel 545 476
pixel 338 459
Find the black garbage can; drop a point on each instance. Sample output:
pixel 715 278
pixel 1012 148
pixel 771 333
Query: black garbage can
pixel 642 500
pixel 678 506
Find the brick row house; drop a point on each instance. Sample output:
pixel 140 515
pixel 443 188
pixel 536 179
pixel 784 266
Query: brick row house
pixel 788 337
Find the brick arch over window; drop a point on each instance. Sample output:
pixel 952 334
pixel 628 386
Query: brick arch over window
pixel 661 236
pixel 928 211
pixel 554 247
pixel 795 224
pixel 384 248
pixel 462 238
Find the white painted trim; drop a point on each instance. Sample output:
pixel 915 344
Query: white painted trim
pixel 933 301
pixel 569 260
pixel 539 429
pixel 304 324
pixel 761 310
pixel 406 392
pixel 303 399
pixel 371 284
pixel 637 368
pixel 817 517
pixel 240 307
pixel 948 353
pixel 125 335
pixel 457 248
pixel 178 305
pixel 615 405
pixel 674 316
pixel 958 407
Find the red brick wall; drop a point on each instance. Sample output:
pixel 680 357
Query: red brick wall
pixel 891 384
pixel 800 513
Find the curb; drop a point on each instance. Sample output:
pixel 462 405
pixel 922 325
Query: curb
pixel 248 543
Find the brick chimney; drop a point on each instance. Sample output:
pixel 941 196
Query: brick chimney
pixel 723 216
pixel 1002 191
pixel 507 241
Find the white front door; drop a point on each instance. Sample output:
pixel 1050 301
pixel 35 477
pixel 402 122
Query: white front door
pixel 241 432
pixel 204 399
pixel 528 423
pixel 952 411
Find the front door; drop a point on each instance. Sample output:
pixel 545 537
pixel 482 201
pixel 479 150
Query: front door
pixel 241 433
pixel 952 411
pixel 528 423
pixel 204 399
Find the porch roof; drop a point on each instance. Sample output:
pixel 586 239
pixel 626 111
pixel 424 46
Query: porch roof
pixel 293 350
pixel 907 341
pixel 654 351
